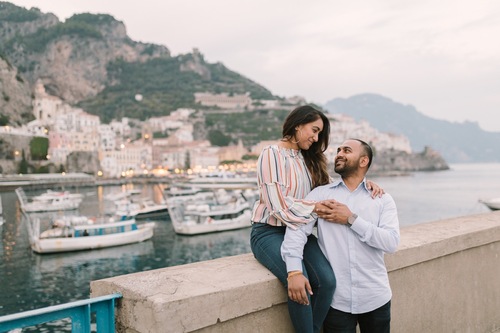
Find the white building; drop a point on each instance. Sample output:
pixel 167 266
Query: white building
pixel 133 159
pixel 343 127
pixel 107 138
pixel 224 100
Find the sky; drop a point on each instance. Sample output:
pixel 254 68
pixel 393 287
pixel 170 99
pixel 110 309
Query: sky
pixel 442 57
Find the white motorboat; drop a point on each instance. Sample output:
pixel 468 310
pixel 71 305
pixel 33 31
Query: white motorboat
pixel 142 209
pixel 76 233
pixel 119 195
pixel 493 203
pixel 230 211
pixel 50 194
pixel 48 202
pixel 179 191
pixel 222 180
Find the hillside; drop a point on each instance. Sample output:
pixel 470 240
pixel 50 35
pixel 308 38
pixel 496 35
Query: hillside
pixel 457 142
pixel 89 61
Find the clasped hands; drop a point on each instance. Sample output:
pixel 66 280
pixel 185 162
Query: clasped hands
pixel 332 211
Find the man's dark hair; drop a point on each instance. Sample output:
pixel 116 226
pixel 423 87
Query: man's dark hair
pixel 368 151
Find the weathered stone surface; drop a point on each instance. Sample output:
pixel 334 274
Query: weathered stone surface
pixel 83 161
pixel 15 95
pixel 444 278
pixel 391 161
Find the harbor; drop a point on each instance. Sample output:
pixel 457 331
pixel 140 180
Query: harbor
pixel 34 280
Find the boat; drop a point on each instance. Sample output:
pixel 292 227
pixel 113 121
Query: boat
pixel 50 194
pixel 221 180
pixel 178 191
pixel 48 202
pixel 493 203
pixel 77 233
pixel 142 209
pixel 222 212
pixel 119 195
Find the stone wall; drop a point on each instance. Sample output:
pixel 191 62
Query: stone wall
pixel 445 278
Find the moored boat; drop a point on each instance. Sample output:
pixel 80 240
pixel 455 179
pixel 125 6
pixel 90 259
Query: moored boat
pixel 221 180
pixel 220 213
pixel 48 202
pixel 493 203
pixel 76 233
pixel 142 209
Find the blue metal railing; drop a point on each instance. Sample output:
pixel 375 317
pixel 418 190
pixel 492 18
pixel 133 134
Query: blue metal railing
pixel 79 312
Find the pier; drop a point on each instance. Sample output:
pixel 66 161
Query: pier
pixel 444 277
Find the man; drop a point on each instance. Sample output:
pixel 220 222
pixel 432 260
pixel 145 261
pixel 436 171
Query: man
pixel 354 232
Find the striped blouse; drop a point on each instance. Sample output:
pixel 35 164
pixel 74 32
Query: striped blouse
pixel 284 181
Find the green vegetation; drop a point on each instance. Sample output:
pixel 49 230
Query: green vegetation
pixel 91 19
pixel 4 120
pixel 217 138
pixel 39 148
pixel 250 127
pixel 12 13
pixel 23 165
pixel 163 86
pixel 38 41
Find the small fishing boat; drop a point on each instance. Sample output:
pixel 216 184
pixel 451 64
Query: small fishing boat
pixel 230 211
pixel 493 203
pixel 142 209
pixel 224 180
pixel 76 233
pixel 48 202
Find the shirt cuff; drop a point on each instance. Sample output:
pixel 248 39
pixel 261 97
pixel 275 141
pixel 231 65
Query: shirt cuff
pixel 293 264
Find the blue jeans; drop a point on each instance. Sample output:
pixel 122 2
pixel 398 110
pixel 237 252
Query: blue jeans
pixel 376 321
pixel 265 241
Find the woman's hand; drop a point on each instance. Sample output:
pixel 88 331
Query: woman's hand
pixel 376 190
pixel 298 288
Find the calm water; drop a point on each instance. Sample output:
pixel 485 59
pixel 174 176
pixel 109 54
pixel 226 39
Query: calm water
pixel 29 280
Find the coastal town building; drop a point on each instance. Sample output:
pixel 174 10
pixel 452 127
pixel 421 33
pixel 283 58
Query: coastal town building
pixel 130 147
pixel 224 100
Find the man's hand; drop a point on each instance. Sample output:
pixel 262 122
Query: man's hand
pixel 298 288
pixel 333 211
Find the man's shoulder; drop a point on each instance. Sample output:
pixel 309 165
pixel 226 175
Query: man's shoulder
pixel 320 189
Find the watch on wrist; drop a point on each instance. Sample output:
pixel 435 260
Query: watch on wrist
pixel 351 219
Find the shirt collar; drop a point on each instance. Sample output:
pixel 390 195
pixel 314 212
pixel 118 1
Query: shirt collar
pixel 340 181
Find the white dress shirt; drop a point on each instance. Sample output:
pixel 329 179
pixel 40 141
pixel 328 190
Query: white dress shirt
pixel 355 253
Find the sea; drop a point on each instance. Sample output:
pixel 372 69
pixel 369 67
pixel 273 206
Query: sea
pixel 30 281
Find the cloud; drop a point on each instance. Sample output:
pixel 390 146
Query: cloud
pixel 441 57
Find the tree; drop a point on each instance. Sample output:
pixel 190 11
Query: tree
pixel 217 138
pixel 39 148
pixel 23 165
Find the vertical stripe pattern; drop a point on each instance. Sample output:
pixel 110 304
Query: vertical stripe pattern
pixel 284 181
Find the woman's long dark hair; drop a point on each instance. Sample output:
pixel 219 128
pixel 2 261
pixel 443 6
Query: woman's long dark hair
pixel 315 156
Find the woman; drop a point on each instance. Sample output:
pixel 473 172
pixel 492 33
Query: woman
pixel 286 173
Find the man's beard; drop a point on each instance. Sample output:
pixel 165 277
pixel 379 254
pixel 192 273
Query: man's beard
pixel 344 168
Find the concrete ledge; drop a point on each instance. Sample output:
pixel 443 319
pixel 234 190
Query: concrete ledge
pixel 445 278
pixel 191 297
pixel 428 241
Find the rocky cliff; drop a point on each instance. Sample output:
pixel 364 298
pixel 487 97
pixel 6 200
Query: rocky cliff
pixel 390 161
pixel 15 96
pixel 71 57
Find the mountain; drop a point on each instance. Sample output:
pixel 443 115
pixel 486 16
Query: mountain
pixel 89 61
pixel 456 142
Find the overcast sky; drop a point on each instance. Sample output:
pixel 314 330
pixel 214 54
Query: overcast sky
pixel 442 57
